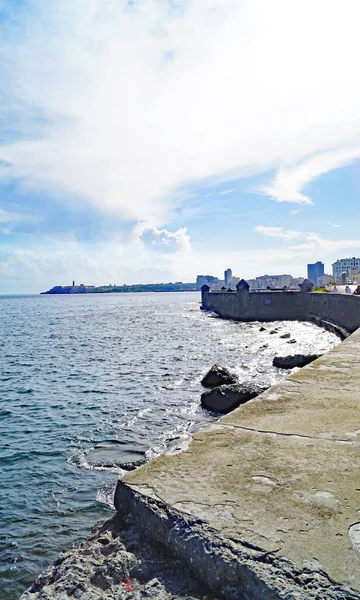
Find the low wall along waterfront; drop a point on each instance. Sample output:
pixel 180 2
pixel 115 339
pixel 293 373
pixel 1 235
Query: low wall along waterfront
pixel 340 310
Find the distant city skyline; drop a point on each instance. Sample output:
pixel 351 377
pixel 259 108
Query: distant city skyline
pixel 132 156
pixel 260 282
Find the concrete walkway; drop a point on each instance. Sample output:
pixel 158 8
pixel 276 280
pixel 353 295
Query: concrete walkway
pixel 266 503
pixel 341 289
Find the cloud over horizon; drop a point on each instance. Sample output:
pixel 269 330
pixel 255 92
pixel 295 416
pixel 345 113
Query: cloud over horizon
pixel 161 240
pixel 279 232
pixel 131 126
pixel 120 104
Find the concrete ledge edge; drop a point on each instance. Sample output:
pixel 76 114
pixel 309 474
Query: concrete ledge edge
pixel 232 568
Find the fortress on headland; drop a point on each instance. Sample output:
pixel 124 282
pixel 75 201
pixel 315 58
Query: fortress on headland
pixel 338 311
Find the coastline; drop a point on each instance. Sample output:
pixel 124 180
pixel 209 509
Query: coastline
pixel 302 508
pixel 121 289
pixel 260 505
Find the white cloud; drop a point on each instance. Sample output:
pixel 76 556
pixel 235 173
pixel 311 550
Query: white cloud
pixel 22 260
pixel 121 104
pixel 226 192
pixel 14 217
pixel 279 232
pixel 162 240
pixel 309 246
pixel 63 262
pixel 275 260
pixel 289 183
pixel 319 246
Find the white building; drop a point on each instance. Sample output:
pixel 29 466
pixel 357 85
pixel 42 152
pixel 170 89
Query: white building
pixel 323 280
pixel 284 280
pixel 350 266
pixel 213 282
pixel 297 281
pixel 273 281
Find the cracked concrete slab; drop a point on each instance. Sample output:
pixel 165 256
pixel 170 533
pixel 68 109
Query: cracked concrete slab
pixel 280 474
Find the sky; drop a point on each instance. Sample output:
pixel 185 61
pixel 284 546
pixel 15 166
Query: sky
pixel 155 140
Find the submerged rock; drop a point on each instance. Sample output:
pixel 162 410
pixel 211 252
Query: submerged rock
pixel 293 341
pixel 112 456
pixel 227 397
pixel 296 360
pixel 218 375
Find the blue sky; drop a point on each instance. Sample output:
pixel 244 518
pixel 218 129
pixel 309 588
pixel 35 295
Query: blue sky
pixel 148 141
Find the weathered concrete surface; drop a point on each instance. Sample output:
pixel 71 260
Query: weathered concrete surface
pixel 115 564
pixel 275 485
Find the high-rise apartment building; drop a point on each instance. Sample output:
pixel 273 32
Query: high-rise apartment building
pixel 314 271
pixel 228 277
pixel 349 266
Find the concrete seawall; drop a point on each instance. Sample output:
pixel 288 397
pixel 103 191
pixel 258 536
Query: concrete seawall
pixel 340 310
pixel 265 504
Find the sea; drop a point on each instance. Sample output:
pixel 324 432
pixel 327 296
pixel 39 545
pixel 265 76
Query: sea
pixel 91 385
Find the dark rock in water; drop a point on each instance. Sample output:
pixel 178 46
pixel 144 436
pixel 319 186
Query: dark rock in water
pixel 291 341
pixel 297 360
pixel 285 336
pixel 273 331
pixel 227 397
pixel 262 329
pixel 218 375
pixel 115 456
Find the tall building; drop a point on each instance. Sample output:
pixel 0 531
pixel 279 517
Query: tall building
pixel 228 277
pixel 349 266
pixel 314 271
pixel 210 280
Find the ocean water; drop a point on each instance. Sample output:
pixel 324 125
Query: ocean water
pixel 89 384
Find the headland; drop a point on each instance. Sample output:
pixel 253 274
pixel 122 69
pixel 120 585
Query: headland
pixel 123 289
